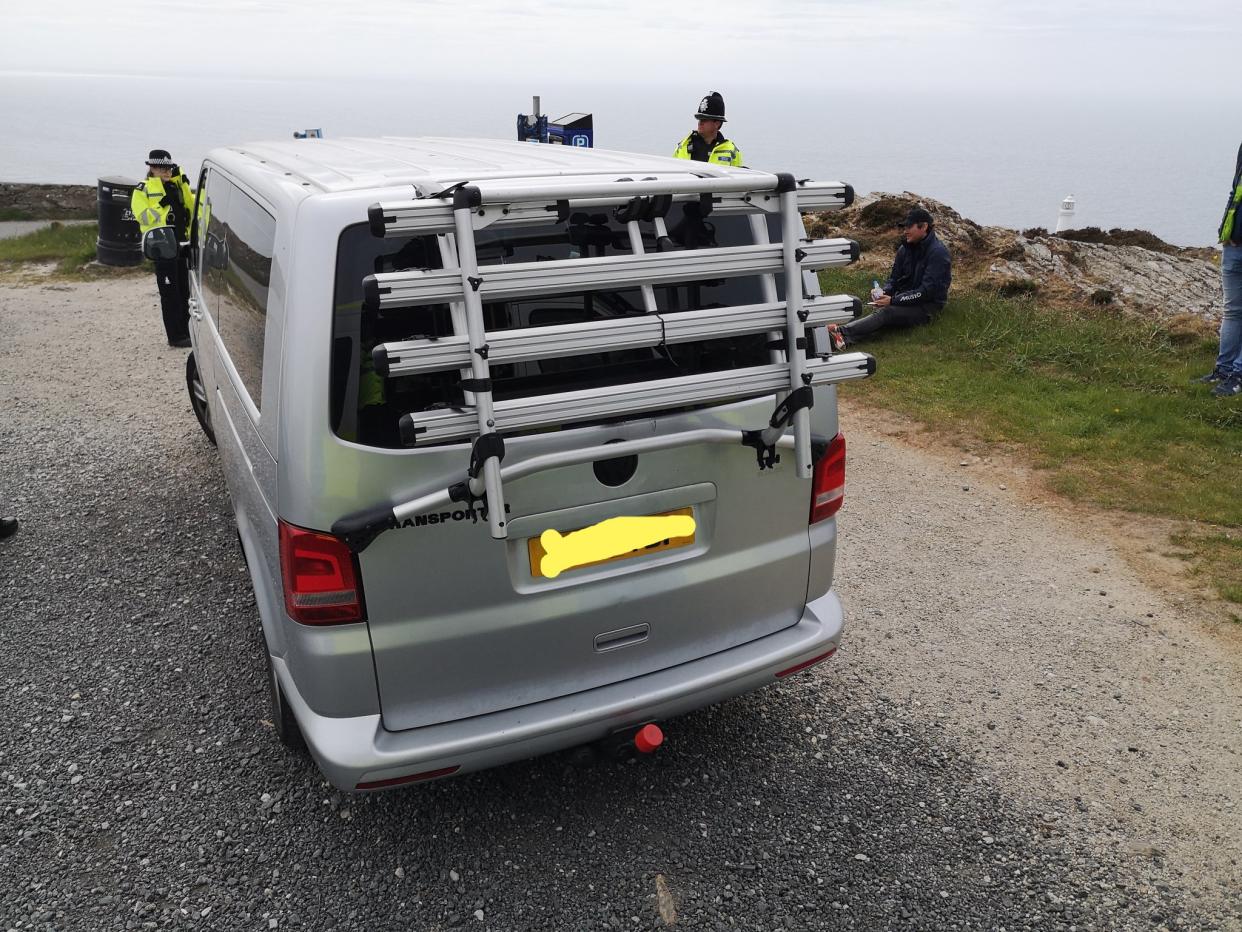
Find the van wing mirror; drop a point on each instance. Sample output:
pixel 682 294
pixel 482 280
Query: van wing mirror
pixel 160 243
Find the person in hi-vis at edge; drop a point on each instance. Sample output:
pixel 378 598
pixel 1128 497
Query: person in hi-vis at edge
pixel 1226 375
pixel 165 199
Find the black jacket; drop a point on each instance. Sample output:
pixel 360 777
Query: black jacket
pixel 921 273
pixel 1236 239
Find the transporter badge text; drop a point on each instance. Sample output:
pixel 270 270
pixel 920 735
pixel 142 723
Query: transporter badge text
pixel 474 515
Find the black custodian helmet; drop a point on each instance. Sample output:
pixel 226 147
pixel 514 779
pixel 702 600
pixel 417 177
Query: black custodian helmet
pixel 711 107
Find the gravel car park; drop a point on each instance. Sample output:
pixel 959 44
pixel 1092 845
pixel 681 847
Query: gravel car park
pixel 143 788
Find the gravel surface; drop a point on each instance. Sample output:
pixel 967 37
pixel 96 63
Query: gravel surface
pixel 143 789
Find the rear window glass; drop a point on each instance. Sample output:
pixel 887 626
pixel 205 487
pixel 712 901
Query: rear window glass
pixel 367 408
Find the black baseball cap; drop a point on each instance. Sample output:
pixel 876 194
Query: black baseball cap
pixel 916 215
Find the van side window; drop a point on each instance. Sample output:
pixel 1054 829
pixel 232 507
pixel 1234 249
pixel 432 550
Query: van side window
pixel 212 199
pixel 249 241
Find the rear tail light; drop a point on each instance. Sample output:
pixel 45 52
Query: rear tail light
pixel 828 483
pixel 806 663
pixel 320 578
pixel 412 778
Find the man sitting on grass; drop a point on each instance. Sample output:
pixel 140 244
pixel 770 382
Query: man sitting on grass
pixel 916 288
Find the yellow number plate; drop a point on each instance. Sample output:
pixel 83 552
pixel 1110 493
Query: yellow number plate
pixel 535 548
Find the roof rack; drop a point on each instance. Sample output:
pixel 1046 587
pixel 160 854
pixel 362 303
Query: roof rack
pixel 463 209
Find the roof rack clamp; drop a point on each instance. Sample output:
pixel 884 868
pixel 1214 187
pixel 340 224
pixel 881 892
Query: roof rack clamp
pixel 794 402
pixel 484 448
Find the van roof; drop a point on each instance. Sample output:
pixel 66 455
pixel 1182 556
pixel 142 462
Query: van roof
pixel 352 163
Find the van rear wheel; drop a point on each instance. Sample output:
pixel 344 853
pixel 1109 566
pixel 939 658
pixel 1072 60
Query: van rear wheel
pixel 287 729
pixel 198 398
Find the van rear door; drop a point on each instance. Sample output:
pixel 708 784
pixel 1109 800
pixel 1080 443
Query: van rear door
pixel 463 625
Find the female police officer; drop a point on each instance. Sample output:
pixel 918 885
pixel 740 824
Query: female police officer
pixel 165 199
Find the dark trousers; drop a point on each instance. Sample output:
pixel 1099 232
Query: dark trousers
pixel 912 315
pixel 173 278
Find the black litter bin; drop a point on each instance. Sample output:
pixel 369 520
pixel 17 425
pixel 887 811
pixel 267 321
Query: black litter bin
pixel 120 240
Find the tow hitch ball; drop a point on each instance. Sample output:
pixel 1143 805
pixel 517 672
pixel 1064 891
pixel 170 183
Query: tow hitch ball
pixel 648 738
pixel 620 745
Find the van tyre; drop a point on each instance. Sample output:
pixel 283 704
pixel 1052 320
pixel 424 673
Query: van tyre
pixel 198 398
pixel 286 726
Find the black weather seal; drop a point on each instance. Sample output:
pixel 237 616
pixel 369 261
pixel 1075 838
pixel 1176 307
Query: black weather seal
pixel 855 251
pixel 360 529
pixel 849 195
pixel 857 307
pixel 484 448
pixel 819 446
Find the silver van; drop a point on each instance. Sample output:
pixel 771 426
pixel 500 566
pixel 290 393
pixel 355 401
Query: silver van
pixel 426 362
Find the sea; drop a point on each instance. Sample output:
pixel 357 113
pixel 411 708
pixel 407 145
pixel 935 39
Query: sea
pixel 1163 166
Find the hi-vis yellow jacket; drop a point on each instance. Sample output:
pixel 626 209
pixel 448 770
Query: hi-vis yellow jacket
pixel 723 153
pixel 1231 225
pixel 153 200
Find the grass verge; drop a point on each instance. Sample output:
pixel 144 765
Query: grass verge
pixel 1101 404
pixel 70 246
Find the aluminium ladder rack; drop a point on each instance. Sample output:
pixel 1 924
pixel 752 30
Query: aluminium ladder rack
pixel 465 208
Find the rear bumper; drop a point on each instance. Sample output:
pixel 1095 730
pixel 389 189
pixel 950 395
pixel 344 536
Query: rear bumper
pixel 360 750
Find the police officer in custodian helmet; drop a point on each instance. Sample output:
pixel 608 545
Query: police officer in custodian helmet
pixel 705 143
pixel 165 199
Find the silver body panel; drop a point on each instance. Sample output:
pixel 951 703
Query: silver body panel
pixel 466 659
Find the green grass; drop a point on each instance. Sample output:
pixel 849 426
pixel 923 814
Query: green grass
pixel 15 213
pixel 1102 404
pixel 70 247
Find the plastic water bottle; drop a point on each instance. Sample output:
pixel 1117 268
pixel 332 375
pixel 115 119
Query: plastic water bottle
pixel 876 291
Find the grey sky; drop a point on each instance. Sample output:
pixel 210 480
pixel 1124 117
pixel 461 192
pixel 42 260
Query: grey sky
pixel 1104 48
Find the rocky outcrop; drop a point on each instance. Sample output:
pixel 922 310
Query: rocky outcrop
pixel 1153 280
pixel 47 201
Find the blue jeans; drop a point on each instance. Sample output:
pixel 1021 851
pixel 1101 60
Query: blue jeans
pixel 1229 362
